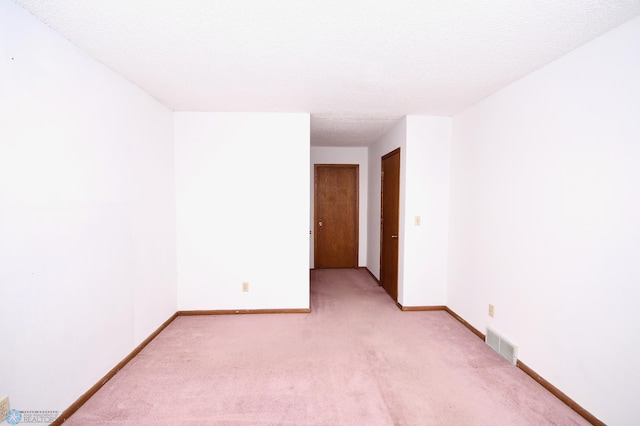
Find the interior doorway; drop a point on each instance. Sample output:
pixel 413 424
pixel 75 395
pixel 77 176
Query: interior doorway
pixel 389 222
pixel 336 215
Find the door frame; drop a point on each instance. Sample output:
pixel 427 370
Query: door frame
pixel 356 253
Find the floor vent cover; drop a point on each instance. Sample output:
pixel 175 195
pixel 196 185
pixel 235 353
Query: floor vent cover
pixel 498 343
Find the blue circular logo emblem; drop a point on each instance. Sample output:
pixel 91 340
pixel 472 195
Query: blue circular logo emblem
pixel 14 417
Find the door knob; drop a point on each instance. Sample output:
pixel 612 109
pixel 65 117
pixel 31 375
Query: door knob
pixel 394 236
pixel 319 223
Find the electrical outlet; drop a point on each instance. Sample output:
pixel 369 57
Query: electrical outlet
pixel 491 310
pixel 4 408
pixel 245 287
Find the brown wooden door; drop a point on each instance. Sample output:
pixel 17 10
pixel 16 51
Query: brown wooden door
pixel 336 216
pixel 389 223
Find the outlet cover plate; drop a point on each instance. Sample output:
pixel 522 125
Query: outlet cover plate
pixel 4 407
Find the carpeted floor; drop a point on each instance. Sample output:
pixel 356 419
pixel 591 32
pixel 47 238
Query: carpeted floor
pixel 355 360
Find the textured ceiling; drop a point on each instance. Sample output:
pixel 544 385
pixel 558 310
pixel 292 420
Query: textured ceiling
pixel 355 65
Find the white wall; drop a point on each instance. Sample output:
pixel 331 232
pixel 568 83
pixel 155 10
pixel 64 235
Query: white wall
pixel 544 221
pixel 87 216
pixel 395 138
pixel 242 185
pixel 427 163
pixel 336 155
pixel 424 144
